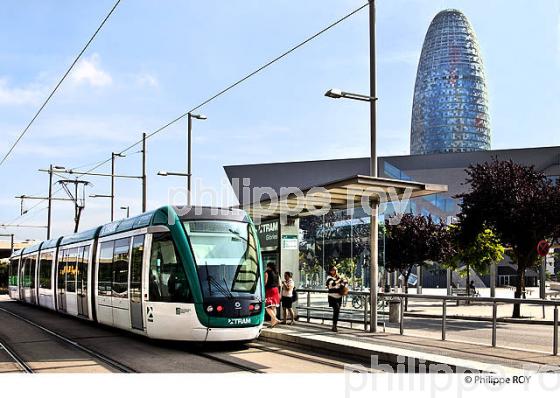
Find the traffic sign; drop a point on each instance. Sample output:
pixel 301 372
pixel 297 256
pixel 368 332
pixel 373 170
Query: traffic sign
pixel 543 248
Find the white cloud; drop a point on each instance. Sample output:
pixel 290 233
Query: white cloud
pixel 29 95
pixel 88 71
pixel 147 80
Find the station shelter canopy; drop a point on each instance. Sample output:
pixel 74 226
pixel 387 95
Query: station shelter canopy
pixel 350 192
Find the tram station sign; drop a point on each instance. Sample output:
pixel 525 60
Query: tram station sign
pixel 268 235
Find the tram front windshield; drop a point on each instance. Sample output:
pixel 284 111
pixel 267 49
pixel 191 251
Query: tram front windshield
pixel 226 257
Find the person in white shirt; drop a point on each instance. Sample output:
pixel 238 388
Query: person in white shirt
pixel 287 297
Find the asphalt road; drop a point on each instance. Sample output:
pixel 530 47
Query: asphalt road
pixel 46 354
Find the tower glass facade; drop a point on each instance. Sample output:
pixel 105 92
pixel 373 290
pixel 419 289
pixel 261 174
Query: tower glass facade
pixel 450 107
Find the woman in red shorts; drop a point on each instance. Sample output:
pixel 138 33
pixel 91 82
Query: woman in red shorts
pixel 272 294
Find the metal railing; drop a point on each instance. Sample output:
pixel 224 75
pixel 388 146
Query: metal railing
pixel 363 311
pixel 384 298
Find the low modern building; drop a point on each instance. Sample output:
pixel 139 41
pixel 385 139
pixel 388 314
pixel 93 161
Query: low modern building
pixel 342 237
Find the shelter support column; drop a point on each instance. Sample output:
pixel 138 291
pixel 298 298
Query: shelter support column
pixel 374 266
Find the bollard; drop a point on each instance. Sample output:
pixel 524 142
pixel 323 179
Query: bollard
pixel 402 317
pixel 444 319
pixel 494 316
pixel 555 337
pixel 308 305
pixel 365 314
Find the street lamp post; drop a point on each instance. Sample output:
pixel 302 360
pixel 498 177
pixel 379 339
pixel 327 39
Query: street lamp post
pixel 374 204
pixel 113 156
pixel 191 116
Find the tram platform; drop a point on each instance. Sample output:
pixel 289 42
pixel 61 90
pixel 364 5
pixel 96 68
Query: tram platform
pixel 410 351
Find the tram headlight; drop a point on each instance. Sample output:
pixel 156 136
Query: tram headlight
pixel 257 307
pixel 209 308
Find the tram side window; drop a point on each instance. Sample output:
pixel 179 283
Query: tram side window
pixel 27 273
pixel 61 281
pixel 136 267
pixel 32 277
pixel 120 268
pixel 71 263
pixel 168 281
pixel 23 272
pixel 105 274
pixel 13 272
pixel 83 261
pixel 45 266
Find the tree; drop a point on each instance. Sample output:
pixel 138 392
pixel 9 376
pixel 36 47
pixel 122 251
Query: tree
pixel 413 241
pixel 518 203
pixel 478 254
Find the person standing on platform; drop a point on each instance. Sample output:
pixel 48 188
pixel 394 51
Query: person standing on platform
pixel 337 287
pixel 287 297
pixel 272 295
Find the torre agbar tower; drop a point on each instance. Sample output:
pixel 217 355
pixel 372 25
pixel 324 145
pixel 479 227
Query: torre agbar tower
pixel 450 107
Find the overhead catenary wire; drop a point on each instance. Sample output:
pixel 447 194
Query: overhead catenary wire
pixel 44 104
pixel 236 83
pixel 226 89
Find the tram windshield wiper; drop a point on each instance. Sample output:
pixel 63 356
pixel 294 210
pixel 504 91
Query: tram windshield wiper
pixel 228 291
pixel 208 278
pixel 219 287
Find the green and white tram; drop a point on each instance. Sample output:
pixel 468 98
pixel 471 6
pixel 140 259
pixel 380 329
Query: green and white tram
pixel 193 275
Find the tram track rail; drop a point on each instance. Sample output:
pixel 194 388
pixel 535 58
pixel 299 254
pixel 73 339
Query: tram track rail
pixel 95 354
pixel 18 360
pixel 235 364
pixel 114 363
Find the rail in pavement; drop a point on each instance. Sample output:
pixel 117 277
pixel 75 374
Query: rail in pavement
pixel 410 350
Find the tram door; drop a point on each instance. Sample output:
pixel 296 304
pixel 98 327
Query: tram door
pixel 136 261
pixel 32 280
pixel 82 280
pixel 22 279
pixel 61 280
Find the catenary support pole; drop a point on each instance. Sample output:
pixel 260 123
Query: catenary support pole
pixel 189 160
pixel 112 186
pixel 49 211
pixel 374 249
pixel 144 178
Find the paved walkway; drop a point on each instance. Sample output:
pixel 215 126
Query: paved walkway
pixel 389 347
pixel 528 312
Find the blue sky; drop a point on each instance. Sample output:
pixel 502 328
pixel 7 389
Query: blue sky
pixel 156 59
